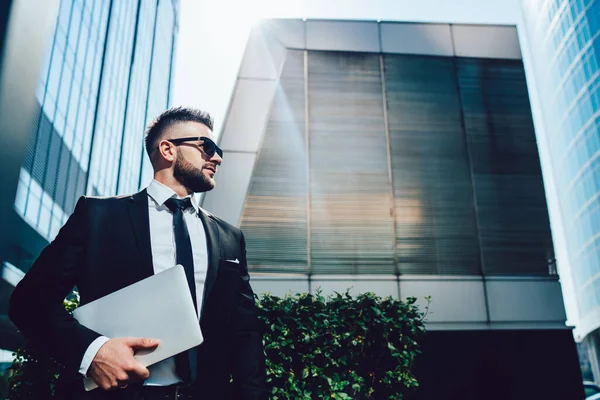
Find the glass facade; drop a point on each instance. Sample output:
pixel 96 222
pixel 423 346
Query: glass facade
pixel 564 38
pixel 107 73
pixel 398 164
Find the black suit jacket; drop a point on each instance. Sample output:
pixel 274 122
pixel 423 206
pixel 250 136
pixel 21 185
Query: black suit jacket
pixel 105 246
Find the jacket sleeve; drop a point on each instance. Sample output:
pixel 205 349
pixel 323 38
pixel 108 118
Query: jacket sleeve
pixel 36 305
pixel 249 372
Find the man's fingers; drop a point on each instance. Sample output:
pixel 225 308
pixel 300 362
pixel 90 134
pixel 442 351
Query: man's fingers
pixel 139 373
pixel 122 377
pixel 115 367
pixel 141 343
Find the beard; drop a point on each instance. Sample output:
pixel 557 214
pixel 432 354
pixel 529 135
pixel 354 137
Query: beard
pixel 191 177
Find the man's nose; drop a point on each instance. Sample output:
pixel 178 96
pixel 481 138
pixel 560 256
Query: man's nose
pixel 216 159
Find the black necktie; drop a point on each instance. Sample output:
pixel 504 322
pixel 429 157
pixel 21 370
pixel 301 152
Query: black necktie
pixel 185 363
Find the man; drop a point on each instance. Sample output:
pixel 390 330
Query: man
pixel 110 243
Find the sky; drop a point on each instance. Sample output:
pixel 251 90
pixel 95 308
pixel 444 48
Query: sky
pixel 213 35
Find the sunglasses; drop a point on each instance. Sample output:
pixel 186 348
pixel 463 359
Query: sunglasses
pixel 209 147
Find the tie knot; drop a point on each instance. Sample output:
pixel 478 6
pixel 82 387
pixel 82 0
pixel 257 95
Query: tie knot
pixel 178 204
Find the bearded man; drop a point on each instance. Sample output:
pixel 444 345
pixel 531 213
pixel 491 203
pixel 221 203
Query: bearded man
pixel 110 243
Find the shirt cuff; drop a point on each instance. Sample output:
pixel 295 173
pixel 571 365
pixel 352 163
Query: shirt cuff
pixel 90 353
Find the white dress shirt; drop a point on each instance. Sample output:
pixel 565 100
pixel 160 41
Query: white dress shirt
pixel 162 242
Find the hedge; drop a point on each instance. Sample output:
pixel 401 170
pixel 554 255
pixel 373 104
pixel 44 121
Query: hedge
pixel 339 347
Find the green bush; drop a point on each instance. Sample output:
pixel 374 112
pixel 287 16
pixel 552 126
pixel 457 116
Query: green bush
pixel 340 347
pixel 317 348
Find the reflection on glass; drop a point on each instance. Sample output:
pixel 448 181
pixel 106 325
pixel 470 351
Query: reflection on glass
pixel 84 86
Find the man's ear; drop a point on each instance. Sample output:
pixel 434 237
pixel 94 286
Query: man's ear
pixel 166 150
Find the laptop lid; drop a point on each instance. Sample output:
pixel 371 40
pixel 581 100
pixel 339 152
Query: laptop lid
pixel 158 307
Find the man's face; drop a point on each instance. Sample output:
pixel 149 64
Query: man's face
pixel 193 168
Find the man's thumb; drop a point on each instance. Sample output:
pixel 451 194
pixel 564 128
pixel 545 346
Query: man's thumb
pixel 142 343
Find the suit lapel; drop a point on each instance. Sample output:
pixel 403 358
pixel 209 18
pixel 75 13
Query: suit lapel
pixel 140 222
pixel 212 243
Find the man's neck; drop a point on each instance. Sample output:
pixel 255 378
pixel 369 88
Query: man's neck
pixel 173 184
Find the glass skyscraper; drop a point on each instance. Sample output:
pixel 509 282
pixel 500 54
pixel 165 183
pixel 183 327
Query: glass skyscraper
pixel 108 72
pixel 564 38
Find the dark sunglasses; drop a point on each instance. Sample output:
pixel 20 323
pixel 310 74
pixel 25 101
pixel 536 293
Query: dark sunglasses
pixel 210 147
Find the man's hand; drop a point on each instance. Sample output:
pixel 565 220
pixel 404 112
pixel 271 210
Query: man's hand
pixel 114 366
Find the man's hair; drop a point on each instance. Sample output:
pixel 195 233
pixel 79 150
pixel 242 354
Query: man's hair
pixel 172 116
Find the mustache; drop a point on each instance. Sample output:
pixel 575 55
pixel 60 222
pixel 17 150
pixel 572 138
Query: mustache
pixel 212 166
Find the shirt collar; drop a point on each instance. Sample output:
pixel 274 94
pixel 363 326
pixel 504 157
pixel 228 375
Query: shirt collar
pixel 161 193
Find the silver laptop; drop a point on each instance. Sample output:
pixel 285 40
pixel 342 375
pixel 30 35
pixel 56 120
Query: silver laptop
pixel 159 307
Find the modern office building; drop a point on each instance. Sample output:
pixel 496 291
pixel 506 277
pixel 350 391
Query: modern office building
pixel 107 74
pixel 564 39
pixel 401 159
